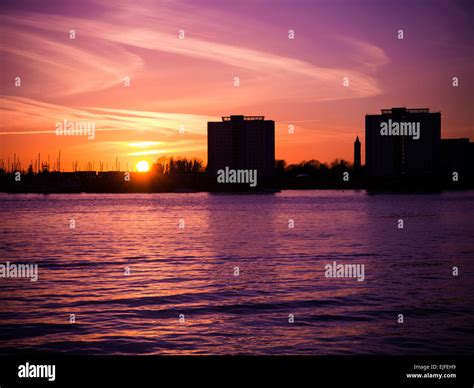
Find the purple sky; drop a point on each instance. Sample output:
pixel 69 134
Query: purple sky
pixel 190 81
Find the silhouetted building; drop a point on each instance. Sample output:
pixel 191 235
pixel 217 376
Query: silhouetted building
pixel 457 156
pixel 244 143
pixel 357 154
pixel 403 145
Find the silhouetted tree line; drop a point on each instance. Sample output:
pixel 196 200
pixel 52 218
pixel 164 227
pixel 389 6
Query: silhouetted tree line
pixel 171 166
pixel 311 174
pixel 175 174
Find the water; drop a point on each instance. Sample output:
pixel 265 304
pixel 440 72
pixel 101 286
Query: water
pixel 190 271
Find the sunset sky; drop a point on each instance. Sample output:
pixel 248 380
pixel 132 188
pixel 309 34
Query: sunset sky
pixel 190 81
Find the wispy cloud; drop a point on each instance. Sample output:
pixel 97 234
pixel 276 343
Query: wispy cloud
pixel 19 113
pixel 174 81
pixel 105 51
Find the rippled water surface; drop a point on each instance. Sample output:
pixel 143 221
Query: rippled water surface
pixel 191 271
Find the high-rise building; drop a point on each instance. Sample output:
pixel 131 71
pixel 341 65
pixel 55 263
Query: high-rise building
pixel 403 143
pixel 357 153
pixel 457 156
pixel 241 143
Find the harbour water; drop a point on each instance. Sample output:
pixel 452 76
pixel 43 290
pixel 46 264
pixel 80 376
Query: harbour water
pixel 238 274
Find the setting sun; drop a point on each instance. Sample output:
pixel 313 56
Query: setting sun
pixel 143 166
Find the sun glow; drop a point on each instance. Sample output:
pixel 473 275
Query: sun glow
pixel 143 166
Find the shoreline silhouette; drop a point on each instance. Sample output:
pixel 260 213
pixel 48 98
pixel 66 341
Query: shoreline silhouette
pixel 182 175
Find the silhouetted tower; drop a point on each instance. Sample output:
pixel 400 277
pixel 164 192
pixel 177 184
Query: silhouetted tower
pixel 357 153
